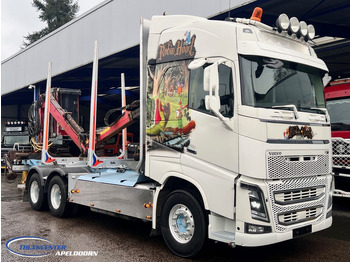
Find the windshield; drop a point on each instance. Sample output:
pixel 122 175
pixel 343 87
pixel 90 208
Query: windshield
pixel 10 140
pixel 268 82
pixel 339 113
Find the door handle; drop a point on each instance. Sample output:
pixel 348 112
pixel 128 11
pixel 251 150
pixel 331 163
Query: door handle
pixel 191 149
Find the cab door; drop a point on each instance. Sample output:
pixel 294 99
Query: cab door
pixel 214 140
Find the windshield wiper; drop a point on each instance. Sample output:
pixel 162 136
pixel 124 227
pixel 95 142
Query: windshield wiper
pixel 320 110
pixel 293 107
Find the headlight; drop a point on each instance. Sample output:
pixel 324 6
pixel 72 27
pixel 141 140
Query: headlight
pixel 257 203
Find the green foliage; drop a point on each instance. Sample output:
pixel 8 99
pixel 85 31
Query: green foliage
pixel 54 13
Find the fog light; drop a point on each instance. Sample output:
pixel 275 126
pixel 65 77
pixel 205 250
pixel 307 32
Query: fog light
pixel 310 32
pixel 282 22
pixel 303 29
pixel 293 26
pixel 256 229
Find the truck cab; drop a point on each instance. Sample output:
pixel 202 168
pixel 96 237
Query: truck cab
pixel 15 137
pixel 337 96
pixel 236 111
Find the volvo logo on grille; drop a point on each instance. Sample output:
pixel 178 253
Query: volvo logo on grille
pixel 275 153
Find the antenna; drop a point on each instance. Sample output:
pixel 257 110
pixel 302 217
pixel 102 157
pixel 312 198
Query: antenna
pixel 229 9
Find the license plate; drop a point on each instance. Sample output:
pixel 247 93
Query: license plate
pixel 302 231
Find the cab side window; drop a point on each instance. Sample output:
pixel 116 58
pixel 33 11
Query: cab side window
pixel 197 93
pixel 226 90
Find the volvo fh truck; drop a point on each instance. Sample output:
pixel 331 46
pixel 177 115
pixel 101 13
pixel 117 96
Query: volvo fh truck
pixel 234 138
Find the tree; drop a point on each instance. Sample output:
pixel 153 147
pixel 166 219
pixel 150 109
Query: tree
pixel 54 13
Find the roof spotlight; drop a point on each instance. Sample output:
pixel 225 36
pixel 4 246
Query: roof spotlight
pixel 303 29
pixel 282 22
pixel 293 26
pixel 311 31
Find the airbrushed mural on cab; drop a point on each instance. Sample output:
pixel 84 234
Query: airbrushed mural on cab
pixel 297 132
pixel 168 117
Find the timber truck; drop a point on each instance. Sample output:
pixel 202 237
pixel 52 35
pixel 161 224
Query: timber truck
pixel 234 138
pixel 337 96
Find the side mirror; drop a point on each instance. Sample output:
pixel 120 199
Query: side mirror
pixel 211 83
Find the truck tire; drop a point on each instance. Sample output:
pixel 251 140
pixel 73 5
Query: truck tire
pixel 183 224
pixel 58 197
pixel 37 198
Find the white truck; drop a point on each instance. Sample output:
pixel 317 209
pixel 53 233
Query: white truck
pixel 235 141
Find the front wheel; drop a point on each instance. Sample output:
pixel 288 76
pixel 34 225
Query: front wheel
pixel 183 224
pixel 58 197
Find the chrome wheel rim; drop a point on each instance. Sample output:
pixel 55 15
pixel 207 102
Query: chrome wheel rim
pixel 34 192
pixel 55 196
pixel 181 223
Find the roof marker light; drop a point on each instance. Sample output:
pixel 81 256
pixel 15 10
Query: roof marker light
pixel 257 13
pixel 282 22
pixel 303 29
pixel 293 26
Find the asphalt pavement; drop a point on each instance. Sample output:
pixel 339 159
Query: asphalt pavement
pixel 90 236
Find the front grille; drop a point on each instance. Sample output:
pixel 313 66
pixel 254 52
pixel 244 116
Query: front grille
pixel 299 215
pixel 292 166
pixel 296 200
pixel 299 195
pixel 341 153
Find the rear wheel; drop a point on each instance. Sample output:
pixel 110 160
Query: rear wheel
pixel 183 224
pixel 37 197
pixel 58 197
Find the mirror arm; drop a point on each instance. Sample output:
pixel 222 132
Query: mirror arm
pixel 224 120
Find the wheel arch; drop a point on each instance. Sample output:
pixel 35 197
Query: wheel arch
pixel 175 182
pixel 41 172
pixel 53 173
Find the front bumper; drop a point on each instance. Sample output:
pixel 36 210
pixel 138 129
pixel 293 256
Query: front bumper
pixel 251 240
pixel 295 206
